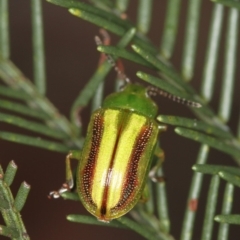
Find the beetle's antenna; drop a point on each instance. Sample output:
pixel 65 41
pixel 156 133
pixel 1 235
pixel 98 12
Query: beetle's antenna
pixel 111 60
pixel 152 91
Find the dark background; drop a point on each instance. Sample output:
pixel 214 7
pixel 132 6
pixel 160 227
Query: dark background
pixel 71 59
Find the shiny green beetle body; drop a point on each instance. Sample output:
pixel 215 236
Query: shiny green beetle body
pixel 116 156
pixel 117 153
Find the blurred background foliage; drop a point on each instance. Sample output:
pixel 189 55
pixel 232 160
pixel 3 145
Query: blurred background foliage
pixel 189 49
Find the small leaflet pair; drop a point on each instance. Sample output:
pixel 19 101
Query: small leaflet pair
pixel 116 157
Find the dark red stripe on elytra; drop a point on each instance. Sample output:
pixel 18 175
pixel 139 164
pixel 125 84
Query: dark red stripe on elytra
pixel 88 171
pixel 131 180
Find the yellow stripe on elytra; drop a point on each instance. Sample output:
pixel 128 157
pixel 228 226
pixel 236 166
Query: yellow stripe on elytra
pixel 108 140
pixel 128 136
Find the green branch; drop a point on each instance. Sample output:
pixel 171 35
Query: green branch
pixel 10 208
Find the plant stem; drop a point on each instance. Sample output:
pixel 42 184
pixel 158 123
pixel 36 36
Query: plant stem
pixel 193 196
pixel 209 72
pixel 229 65
pixel 4 30
pixel 38 47
pixel 170 28
pixel 191 37
pixel 210 208
pixel 226 209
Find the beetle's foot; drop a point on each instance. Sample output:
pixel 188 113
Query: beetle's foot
pixel 154 176
pixel 56 194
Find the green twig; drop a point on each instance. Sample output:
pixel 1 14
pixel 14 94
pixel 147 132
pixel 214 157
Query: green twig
pixel 170 28
pixel 122 5
pixel 38 47
pixel 98 20
pixel 144 15
pixel 238 129
pixel 210 63
pixel 32 126
pixel 210 208
pixel 4 30
pixel 12 76
pixel 92 220
pixel 229 3
pixel 104 19
pixel 92 10
pixel 34 141
pixel 162 203
pixel 11 93
pixel 9 232
pixel 230 219
pixel 230 177
pixel 23 110
pixel 195 125
pixel 211 141
pixel 10 173
pixel 149 205
pixel 98 97
pixel 106 5
pixel 215 169
pixel 142 230
pixel 193 196
pixel 226 209
pixel 166 69
pixel 70 196
pixel 230 64
pixel 191 37
pixel 150 221
pixel 21 196
pixel 10 209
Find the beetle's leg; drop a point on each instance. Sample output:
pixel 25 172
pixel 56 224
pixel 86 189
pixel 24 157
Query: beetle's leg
pixel 68 185
pixel 73 154
pixel 153 174
pixel 145 194
pixel 162 128
pixel 159 153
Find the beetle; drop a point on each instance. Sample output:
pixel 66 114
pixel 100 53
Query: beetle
pixel 117 153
